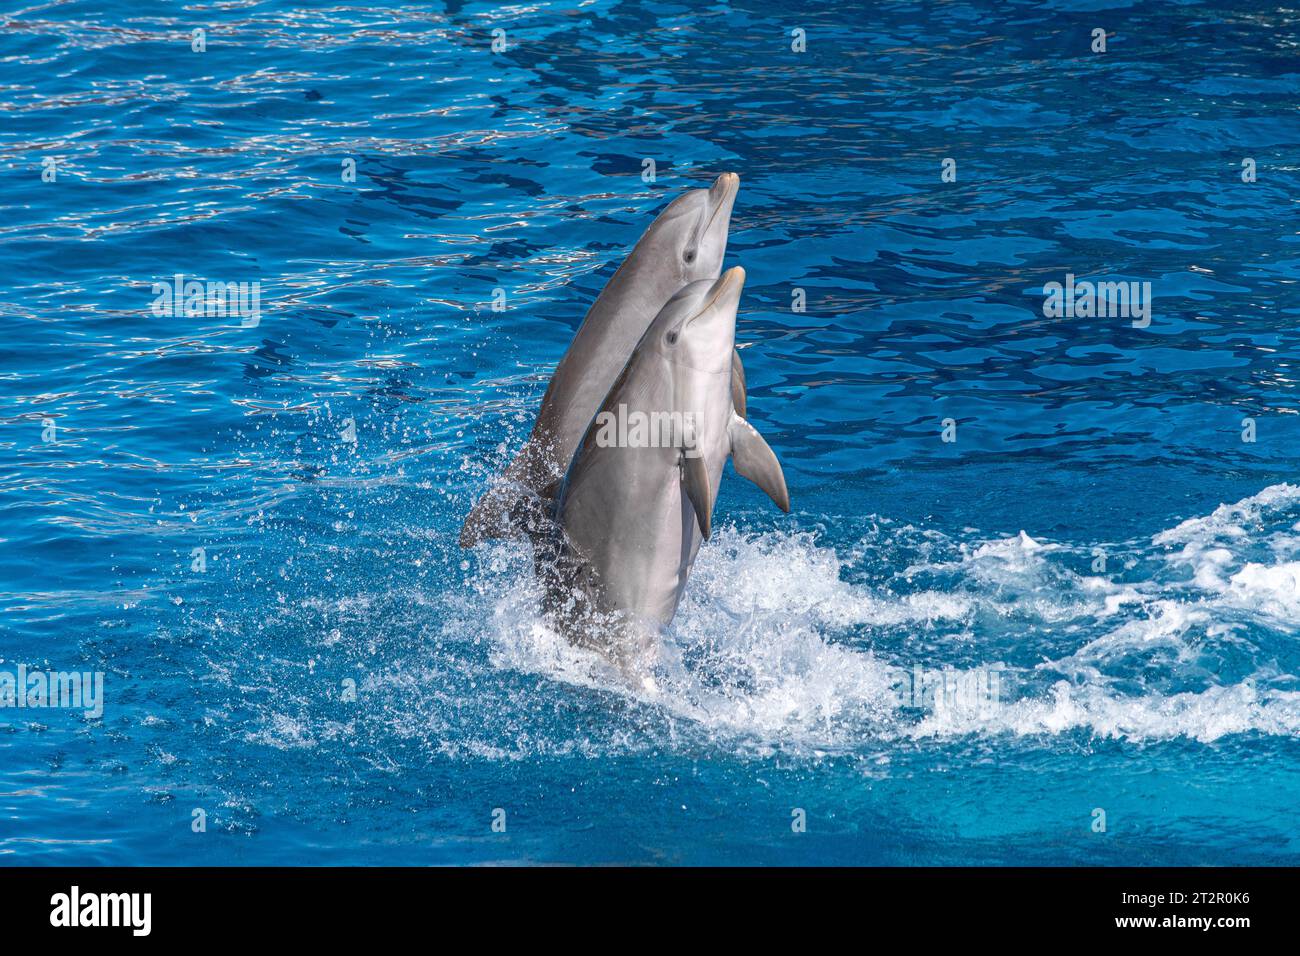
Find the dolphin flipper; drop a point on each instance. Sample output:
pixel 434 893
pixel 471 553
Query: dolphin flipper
pixel 757 462
pixel 698 488
pixel 737 384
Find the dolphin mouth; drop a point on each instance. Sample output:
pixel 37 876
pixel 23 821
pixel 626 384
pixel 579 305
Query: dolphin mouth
pixel 735 276
pixel 722 196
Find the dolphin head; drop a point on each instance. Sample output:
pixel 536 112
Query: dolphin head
pixel 690 235
pixel 697 327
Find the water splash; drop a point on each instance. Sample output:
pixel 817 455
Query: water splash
pixel 782 642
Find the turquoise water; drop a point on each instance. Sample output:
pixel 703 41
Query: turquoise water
pixel 1099 535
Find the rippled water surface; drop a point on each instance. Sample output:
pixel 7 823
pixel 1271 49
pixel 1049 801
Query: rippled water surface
pixel 1099 535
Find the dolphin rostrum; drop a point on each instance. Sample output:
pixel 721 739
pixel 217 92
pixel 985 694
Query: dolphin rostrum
pixel 684 244
pixel 638 496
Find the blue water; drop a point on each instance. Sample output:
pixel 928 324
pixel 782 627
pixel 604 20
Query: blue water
pixel 1099 530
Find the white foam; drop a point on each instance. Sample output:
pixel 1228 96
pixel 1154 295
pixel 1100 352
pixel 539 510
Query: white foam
pixel 1165 623
pixel 1242 555
pixel 1229 520
pixel 1274 589
pixel 780 643
pixel 790 574
pixel 1012 550
pixel 1205 716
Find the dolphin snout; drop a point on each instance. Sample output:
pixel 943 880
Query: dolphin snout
pixel 725 289
pixel 722 196
pixel 724 187
pixel 733 276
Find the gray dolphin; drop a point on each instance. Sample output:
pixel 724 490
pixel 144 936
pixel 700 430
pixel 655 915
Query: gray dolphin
pixel 638 496
pixel 684 244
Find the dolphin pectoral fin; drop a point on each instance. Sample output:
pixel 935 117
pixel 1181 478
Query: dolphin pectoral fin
pixel 737 384
pixel 696 485
pixel 757 462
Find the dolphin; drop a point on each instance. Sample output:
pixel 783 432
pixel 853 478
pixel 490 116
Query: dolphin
pixel 684 244
pixel 638 496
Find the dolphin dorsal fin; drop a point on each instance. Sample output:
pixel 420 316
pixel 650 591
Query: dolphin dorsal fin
pixel 757 462
pixel 698 488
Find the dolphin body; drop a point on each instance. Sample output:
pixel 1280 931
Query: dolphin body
pixel 684 244
pixel 631 513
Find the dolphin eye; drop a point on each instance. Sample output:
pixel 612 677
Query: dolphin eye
pixel 689 255
pixel 672 337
